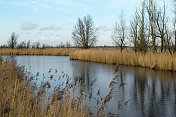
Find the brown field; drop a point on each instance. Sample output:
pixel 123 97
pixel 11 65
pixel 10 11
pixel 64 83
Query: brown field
pixel 161 61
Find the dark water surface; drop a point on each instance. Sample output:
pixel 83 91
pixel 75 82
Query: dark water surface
pixel 146 92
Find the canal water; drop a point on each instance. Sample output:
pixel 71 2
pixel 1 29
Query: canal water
pixel 137 91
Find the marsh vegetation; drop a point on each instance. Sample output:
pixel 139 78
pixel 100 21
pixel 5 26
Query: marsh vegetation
pixel 21 95
pixel 127 91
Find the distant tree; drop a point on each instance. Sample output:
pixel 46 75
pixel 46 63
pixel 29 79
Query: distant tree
pixel 37 44
pixel 138 30
pixel 4 46
pixel 12 42
pixel 143 43
pixel 134 31
pixel 61 45
pixel 68 44
pixel 161 26
pixel 168 41
pixel 152 16
pixel 33 45
pixel 43 46
pixel 28 44
pixel 119 34
pixel 22 45
pixel 84 33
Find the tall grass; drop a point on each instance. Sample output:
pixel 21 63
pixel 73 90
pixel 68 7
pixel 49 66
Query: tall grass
pixel 20 97
pixel 51 51
pixel 162 61
pixel 158 60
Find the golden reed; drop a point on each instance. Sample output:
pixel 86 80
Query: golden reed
pixel 162 61
pixel 50 51
pixel 158 60
pixel 19 97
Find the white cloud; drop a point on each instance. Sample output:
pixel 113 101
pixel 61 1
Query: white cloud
pixel 51 27
pixel 28 26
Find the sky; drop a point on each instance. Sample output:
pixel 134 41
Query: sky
pixel 52 21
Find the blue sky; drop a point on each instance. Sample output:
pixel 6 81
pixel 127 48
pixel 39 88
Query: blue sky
pixel 51 21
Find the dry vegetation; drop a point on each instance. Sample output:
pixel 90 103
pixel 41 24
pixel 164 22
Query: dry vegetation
pixel 21 97
pixel 154 60
pixel 52 51
pixel 158 60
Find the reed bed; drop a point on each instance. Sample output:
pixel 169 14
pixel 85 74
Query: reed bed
pixel 158 60
pixel 48 51
pixel 20 97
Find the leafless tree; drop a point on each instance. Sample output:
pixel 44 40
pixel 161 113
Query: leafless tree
pixel 28 44
pixel 119 34
pixel 12 43
pixel 168 41
pixel 143 42
pixel 161 26
pixel 134 31
pixel 84 33
pixel 68 44
pixel 152 16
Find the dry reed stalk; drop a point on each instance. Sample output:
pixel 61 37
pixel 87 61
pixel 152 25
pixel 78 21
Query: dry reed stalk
pixel 162 61
pixel 18 97
pixel 49 51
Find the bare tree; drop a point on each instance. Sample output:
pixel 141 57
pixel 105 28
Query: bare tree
pixel 168 41
pixel 84 33
pixel 28 44
pixel 161 26
pixel 23 44
pixel 12 43
pixel 152 14
pixel 134 31
pixel 37 45
pixel 119 35
pixel 68 44
pixel 143 43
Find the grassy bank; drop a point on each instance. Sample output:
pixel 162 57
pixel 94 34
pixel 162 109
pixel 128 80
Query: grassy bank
pixel 51 51
pixel 20 97
pixel 162 61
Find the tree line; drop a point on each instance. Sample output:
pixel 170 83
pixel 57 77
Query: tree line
pixel 149 30
pixel 13 43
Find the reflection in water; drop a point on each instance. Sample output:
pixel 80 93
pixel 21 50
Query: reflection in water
pixel 151 93
pixel 138 92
